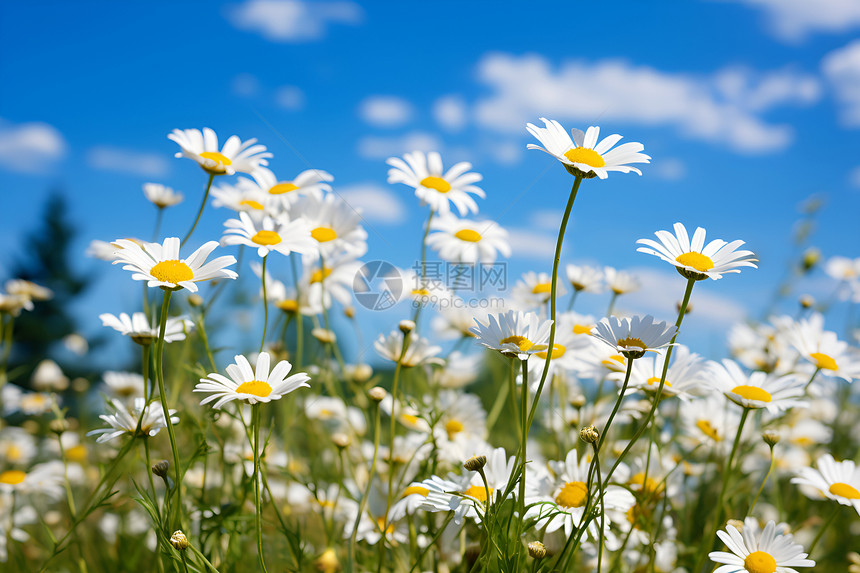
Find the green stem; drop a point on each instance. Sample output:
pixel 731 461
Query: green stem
pixel 265 305
pixel 393 428
pixel 200 211
pixel 605 430
pixel 363 504
pixel 7 349
pixel 824 528
pixel 612 303
pixel 158 219
pixel 523 440
pixel 766 476
pixel 300 330
pixel 255 422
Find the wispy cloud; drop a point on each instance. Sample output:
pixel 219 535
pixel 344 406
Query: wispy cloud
pixel 290 97
pixel 383 147
pixel 528 244
pixel 725 107
pixel 292 21
pixel 794 20
pixel 385 111
pixel 842 69
pixel 450 112
pixel 377 203
pixel 132 162
pixel 30 147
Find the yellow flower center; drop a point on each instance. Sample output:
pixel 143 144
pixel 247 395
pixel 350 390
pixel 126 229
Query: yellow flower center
pixel 478 492
pixel 628 342
pixel 651 486
pixel 172 272
pixel 416 489
pixel 752 393
pixel 420 292
pixel 76 453
pixel 380 522
pixel 437 183
pixel 521 342
pixel 586 156
pixel 573 494
pixel 542 288
pixel 255 387
pixel 282 187
pixel 13 453
pixel 409 419
pixel 12 477
pixel 760 562
pixel 698 261
pixel 844 490
pixel 468 235
pixel 453 427
pixel 221 160
pixel 656 380
pixel 582 329
pixel 320 275
pixel 324 234
pixel 824 361
pixel 288 305
pixel 557 352
pixel 266 238
pixel 614 361
pixel 252 204
pixel 709 430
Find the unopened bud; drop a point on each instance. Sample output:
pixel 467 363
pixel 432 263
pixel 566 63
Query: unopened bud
pixel 324 335
pixel 475 463
pixel 806 301
pixel 537 550
pixel 58 426
pixel 770 438
pixel 406 326
pixel 589 434
pixel 327 562
pixel 349 312
pixel 736 523
pixel 810 258
pixel 361 373
pixel 377 394
pixel 577 401
pixel 341 440
pixel 179 541
pixel 160 468
pixel 195 300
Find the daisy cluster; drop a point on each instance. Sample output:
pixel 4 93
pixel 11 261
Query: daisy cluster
pixel 525 435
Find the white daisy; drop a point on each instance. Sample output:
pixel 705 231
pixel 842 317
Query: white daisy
pixel 234 156
pixel 694 259
pixel 285 193
pixel 138 328
pixel 839 481
pixel 29 289
pixel 757 390
pixel 124 384
pixel 514 333
pixel 418 349
pixel 585 278
pixel 161 196
pixel 773 552
pixel 464 241
pixel 335 225
pixel 125 421
pixel 250 385
pixel 424 174
pixel 160 265
pixel 336 279
pixel 269 234
pixel 824 350
pixel 583 155
pixel 620 282
pixel 245 196
pixel 686 377
pixel 633 336
pixel 534 290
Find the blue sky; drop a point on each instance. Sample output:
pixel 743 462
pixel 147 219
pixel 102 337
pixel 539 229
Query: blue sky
pixel 746 106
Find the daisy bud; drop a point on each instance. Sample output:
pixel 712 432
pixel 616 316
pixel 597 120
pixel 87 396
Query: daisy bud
pixel 475 463
pixel 324 335
pixel 195 300
pixel 589 435
pixel 806 301
pixel 377 394
pixel 810 258
pixel 577 401
pixel 770 438
pixel 537 550
pixel 687 311
pixel 736 523
pixel 179 541
pixel 58 426
pixel 406 326
pixel 362 373
pixel 349 312
pixel 80 385
pixel 341 440
pixel 160 468
pixel 327 562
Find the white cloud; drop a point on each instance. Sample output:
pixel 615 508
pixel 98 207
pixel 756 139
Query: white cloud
pixel 292 21
pixel 385 111
pixel 546 219
pixel 383 147
pixel 793 20
pixel 450 112
pixel 376 202
pixel 662 290
pixel 725 107
pixel 290 97
pixel 30 147
pixel 854 177
pixel 842 69
pixel 245 85
pixel 527 244
pixel 107 158
pixel 668 169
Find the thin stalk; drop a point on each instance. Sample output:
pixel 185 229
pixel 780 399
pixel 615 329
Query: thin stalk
pixel 363 504
pixel 612 303
pixel 605 430
pixel 824 528
pixel 158 219
pixel 524 439
pixel 255 422
pixel 300 330
pixel 200 211
pixel 766 476
pixel 393 427
pixel 572 300
pixel 265 305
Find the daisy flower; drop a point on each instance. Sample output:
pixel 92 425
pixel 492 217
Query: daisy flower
pixel 694 259
pixel 418 349
pixel 839 481
pixel 519 334
pixel 161 196
pixel 138 328
pixel 269 234
pixel 584 278
pixel 461 416
pixel 334 224
pixel 424 174
pixel 535 289
pixel 245 196
pixel 160 265
pixel 234 156
pixel 125 421
pixel 335 279
pixel 633 336
pixel 824 350
pixel 708 419
pixel 686 377
pixel 253 386
pixel 28 289
pixel 772 552
pixel 620 282
pixel 758 390
pixel 124 384
pixel 582 155
pixel 464 241
pixel 285 193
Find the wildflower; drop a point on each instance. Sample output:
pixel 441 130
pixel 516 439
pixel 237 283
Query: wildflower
pixel 161 196
pixel 686 377
pixel 49 377
pixel 515 333
pixel 534 290
pixel 138 328
pixel 464 241
pixel 582 155
pixel 269 234
pixel 632 337
pixel 250 385
pixel 234 156
pixel 424 174
pixel 757 390
pixel 284 193
pixel 839 481
pixel 772 551
pixel 620 282
pixel 148 417
pixel 824 350
pixel 584 278
pixel 334 224
pixel 418 349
